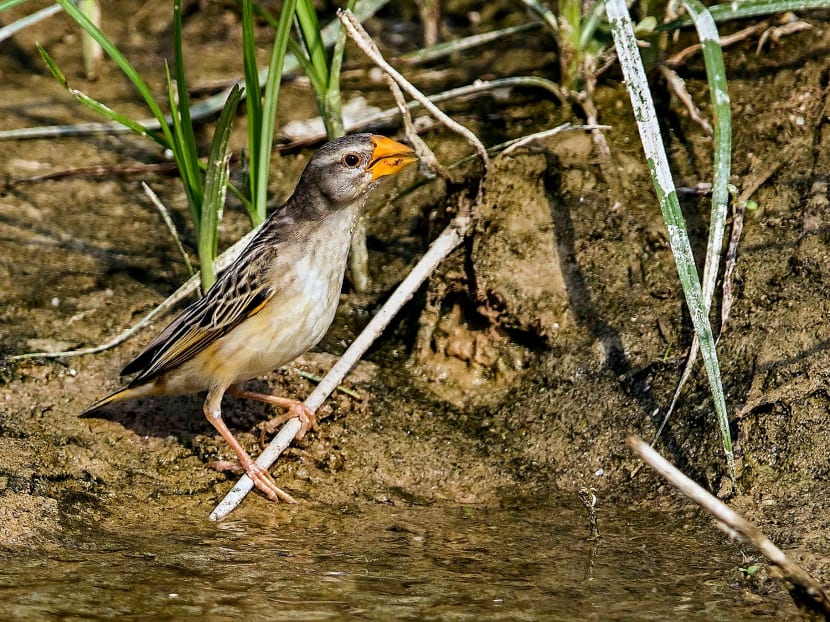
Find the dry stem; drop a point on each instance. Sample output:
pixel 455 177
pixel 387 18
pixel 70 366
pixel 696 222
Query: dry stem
pixel 807 593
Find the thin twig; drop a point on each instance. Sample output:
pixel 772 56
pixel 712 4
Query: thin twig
pixel 804 589
pixel 524 140
pixel 476 88
pixel 440 248
pixel 364 42
pixel 751 185
pixel 171 227
pixel 190 286
pixel 678 86
pixel 435 52
pixel 731 260
pixel 425 154
pixel 96 171
pixel 683 55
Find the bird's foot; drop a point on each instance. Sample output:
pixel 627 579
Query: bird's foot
pixel 296 409
pixel 259 475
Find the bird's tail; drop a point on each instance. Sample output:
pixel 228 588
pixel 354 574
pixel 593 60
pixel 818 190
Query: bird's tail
pixel 121 395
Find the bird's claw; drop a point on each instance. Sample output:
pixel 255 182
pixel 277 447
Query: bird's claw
pixel 308 421
pixel 265 483
pixel 259 475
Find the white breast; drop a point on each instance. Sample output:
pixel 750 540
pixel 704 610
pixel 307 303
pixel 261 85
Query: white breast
pixel 302 312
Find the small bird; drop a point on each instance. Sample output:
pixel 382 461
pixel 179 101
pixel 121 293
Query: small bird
pixel 275 301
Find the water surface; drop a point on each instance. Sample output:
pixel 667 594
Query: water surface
pixel 528 561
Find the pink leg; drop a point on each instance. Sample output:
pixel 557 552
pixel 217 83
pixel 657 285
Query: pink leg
pixel 295 409
pixel 260 476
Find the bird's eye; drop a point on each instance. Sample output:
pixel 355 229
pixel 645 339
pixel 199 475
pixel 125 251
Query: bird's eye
pixel 351 160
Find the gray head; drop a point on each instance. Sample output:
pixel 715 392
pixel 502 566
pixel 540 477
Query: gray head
pixel 345 169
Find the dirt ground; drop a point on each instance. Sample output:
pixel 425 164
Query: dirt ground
pixel 557 330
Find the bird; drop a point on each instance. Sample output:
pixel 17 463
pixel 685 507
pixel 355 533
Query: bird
pixel 274 302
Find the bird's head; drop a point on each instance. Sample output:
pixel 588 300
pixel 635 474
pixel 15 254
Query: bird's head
pixel 345 169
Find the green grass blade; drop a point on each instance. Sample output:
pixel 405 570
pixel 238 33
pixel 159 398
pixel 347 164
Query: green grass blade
pixel 253 95
pixel 718 89
pixel 115 54
pixel 748 8
pixel 332 99
pixel 10 4
pixel 187 164
pixel 310 31
pixel 187 154
pixel 95 105
pixel 297 55
pixel 646 116
pixel 216 183
pixel 262 159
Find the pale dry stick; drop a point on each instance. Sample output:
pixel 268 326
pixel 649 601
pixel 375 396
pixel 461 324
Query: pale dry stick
pixel 803 588
pixel 93 53
pixel 29 20
pixel 189 286
pixel 165 215
pixel 425 154
pixel 678 87
pixel 365 43
pixel 476 88
pixel 683 55
pixel 450 238
pixel 524 140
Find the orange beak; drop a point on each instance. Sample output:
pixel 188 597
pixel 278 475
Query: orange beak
pixel 389 157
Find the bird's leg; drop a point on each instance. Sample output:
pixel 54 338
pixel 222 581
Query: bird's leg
pixel 294 407
pixel 259 475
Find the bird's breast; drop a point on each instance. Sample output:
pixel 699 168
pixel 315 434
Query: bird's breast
pixel 307 291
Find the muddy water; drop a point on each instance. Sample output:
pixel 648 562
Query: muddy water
pixel 526 561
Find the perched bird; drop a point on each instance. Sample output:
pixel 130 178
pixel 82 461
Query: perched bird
pixel 275 301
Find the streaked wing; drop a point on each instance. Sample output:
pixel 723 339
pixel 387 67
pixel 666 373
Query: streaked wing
pixel 238 294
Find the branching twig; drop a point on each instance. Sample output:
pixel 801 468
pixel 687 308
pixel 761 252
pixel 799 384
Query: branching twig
pixel 678 86
pixel 190 286
pixel 364 42
pixel 476 88
pixel 804 589
pixel 165 215
pixel 683 55
pixel 425 154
